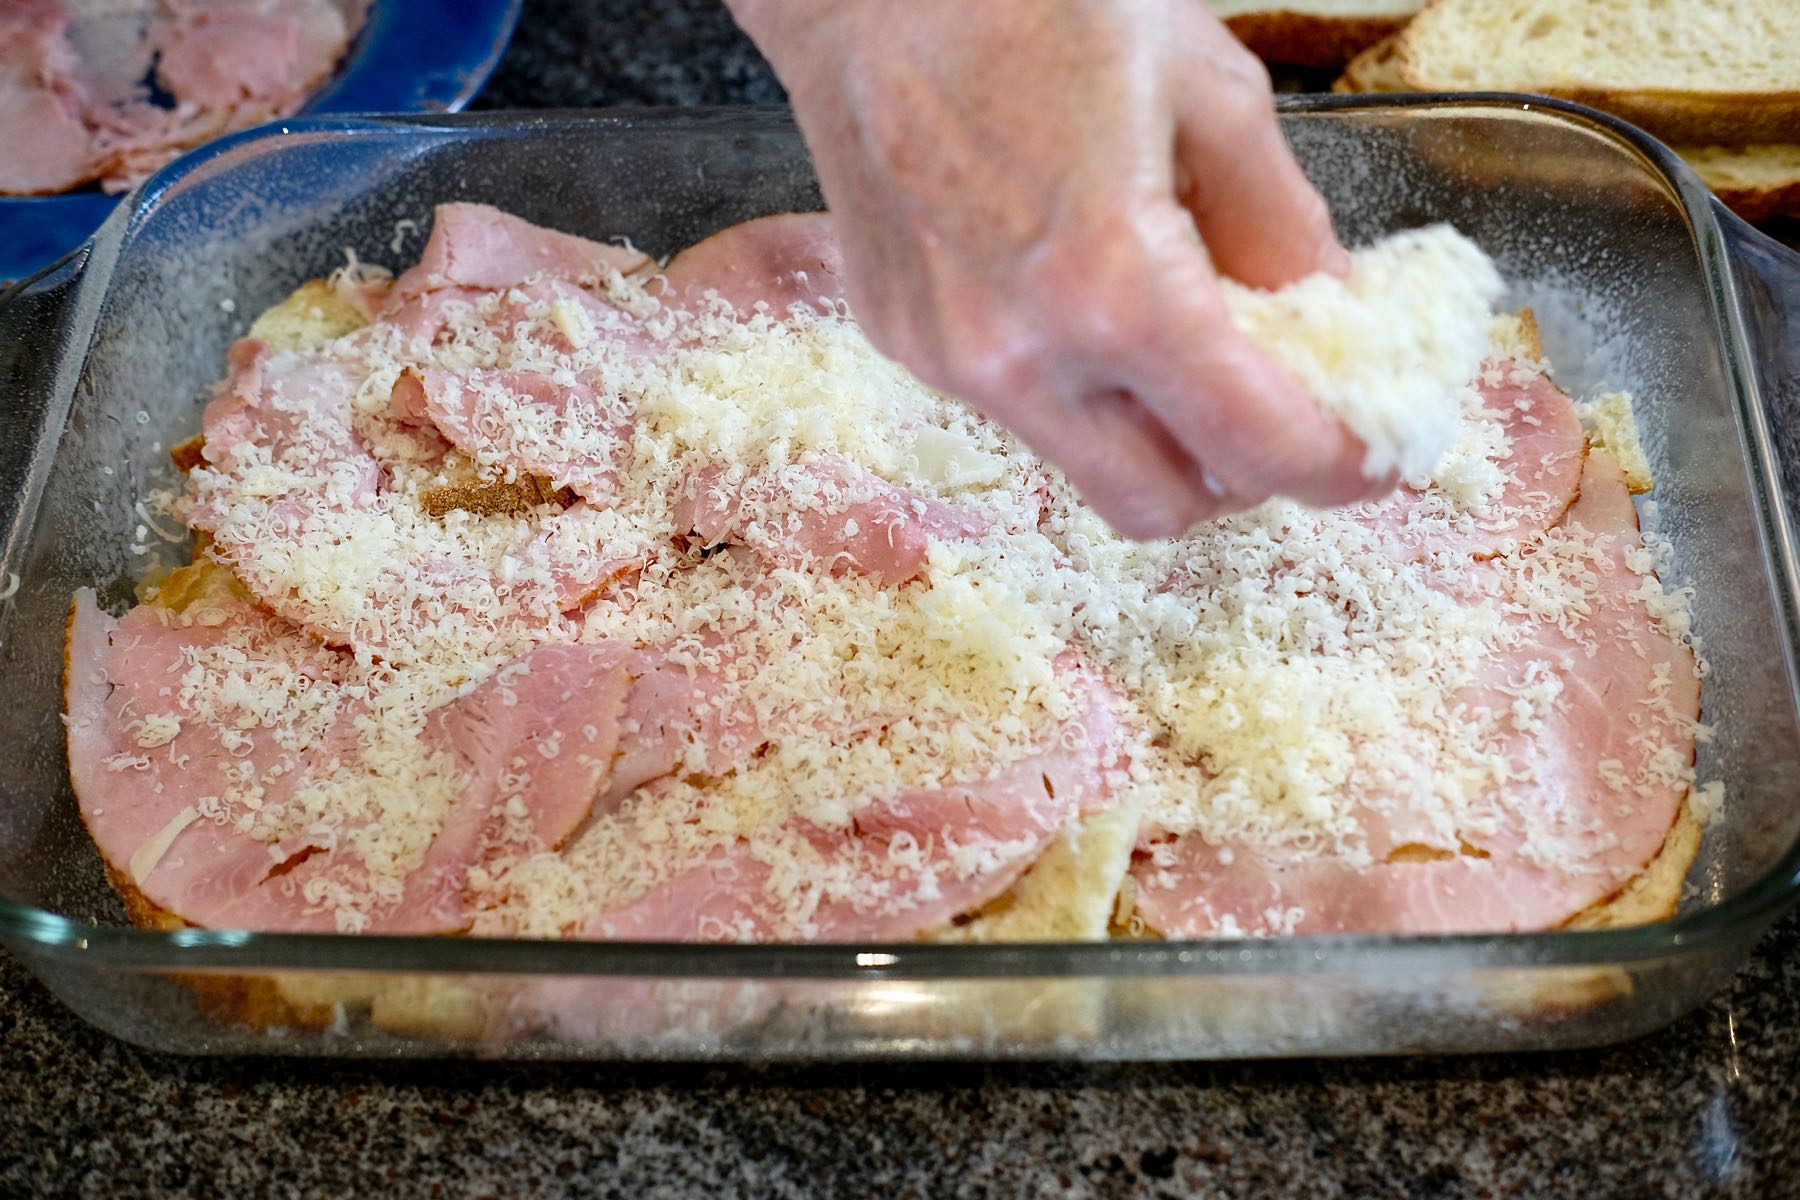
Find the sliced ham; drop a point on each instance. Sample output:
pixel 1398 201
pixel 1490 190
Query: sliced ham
pixel 536 739
pixel 280 429
pixel 825 512
pixel 553 315
pixel 73 105
pixel 908 862
pixel 48 147
pixel 533 743
pixel 297 412
pixel 773 262
pixel 478 246
pixel 401 435
pixel 422 319
pixel 675 712
pixel 267 52
pixel 527 422
pixel 1593 792
pixel 143 803
pixel 1542 467
pixel 558 317
pixel 568 560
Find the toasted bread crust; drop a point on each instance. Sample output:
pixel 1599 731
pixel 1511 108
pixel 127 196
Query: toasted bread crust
pixel 1309 40
pixel 494 498
pixel 189 454
pixel 1756 182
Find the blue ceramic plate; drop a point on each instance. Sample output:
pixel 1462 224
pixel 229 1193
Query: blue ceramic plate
pixel 412 56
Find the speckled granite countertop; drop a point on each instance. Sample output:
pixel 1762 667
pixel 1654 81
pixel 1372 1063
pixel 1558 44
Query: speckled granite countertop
pixel 1710 1106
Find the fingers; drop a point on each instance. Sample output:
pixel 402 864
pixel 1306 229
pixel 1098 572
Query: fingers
pixel 1122 460
pixel 1259 432
pixel 1140 311
pixel 1261 219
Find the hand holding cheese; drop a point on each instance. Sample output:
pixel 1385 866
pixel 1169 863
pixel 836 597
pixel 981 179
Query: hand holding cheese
pixel 1018 185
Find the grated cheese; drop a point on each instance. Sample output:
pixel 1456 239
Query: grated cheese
pixel 1274 667
pixel 1389 348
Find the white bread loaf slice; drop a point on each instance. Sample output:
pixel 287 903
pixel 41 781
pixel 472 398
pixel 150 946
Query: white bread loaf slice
pixel 1757 182
pixel 1312 33
pixel 1721 72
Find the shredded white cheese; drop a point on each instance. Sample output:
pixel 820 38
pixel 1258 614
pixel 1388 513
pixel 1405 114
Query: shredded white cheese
pixel 1390 348
pixel 1275 666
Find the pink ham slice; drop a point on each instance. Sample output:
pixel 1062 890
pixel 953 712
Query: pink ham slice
pixel 535 742
pixel 1565 842
pixel 215 56
pixel 72 105
pixel 826 512
pixel 580 439
pixel 291 411
pixel 779 262
pixel 533 309
pixel 893 874
pixel 478 246
pixel 140 803
pixel 670 709
pixel 423 319
pixel 1543 467
pixel 48 147
pixel 296 410
pixel 571 571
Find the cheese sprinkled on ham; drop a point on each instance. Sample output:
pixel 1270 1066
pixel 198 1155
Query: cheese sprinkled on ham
pixel 734 630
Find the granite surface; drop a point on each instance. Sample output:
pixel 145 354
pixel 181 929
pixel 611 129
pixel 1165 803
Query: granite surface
pixel 1710 1106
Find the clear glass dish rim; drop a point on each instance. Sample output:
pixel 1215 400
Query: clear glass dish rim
pixel 44 933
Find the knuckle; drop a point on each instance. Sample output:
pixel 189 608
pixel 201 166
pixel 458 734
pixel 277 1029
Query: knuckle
pixel 1247 72
pixel 992 372
pixel 1246 95
pixel 989 359
pixel 1093 290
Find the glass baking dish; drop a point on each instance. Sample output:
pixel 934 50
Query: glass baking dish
pixel 1639 281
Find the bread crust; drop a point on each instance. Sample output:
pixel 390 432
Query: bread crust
pixel 1371 71
pixel 1728 118
pixel 1309 40
pixel 1758 183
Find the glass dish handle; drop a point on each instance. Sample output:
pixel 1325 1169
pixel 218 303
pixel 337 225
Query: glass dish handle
pixel 35 326
pixel 1768 279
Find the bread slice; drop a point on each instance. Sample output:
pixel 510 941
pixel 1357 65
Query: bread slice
pixel 1756 182
pixel 1372 71
pixel 1312 33
pixel 1723 72
pixel 312 315
pixel 1068 894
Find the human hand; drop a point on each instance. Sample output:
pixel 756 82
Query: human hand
pixel 1022 188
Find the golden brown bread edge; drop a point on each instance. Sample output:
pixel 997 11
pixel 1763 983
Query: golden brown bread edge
pixel 1309 40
